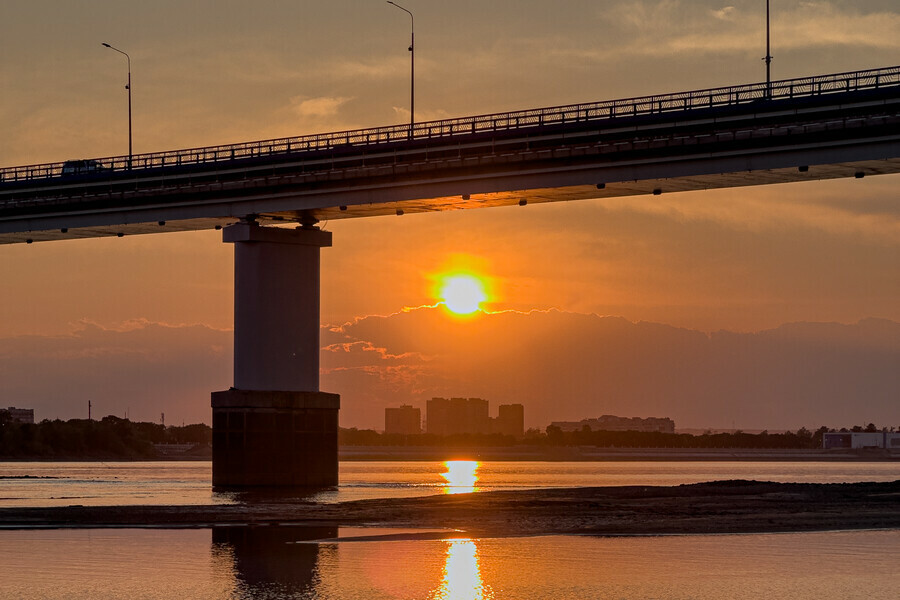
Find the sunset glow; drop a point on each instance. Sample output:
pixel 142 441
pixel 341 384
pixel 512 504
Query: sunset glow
pixel 462 293
pixel 461 476
pixel 621 277
pixel 462 575
pixel 553 305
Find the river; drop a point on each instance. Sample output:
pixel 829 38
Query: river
pixel 275 562
pixel 179 483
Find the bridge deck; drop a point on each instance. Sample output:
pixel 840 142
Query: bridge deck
pixel 840 125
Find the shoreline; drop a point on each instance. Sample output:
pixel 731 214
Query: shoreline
pixel 722 507
pixel 598 454
pixel 541 454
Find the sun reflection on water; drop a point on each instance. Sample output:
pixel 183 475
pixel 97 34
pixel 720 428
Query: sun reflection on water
pixel 462 576
pixel 461 476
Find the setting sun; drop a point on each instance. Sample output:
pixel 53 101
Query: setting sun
pixel 462 293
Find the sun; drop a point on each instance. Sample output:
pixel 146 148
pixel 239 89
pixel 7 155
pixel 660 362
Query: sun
pixel 462 293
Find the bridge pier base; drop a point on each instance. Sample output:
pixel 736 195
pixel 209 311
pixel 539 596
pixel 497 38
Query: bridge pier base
pixel 274 439
pixel 274 427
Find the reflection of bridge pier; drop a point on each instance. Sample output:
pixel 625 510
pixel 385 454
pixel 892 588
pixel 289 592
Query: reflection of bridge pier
pixel 267 558
pixel 274 427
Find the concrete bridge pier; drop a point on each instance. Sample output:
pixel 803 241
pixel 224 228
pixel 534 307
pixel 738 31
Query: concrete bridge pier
pixel 274 427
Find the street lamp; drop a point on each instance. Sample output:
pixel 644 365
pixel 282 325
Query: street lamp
pixel 768 57
pixel 127 87
pixel 412 67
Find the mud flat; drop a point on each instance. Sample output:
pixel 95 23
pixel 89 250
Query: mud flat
pixel 715 507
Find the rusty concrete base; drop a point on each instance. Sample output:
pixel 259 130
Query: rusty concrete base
pixel 275 439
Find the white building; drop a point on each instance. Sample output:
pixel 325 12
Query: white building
pixel 861 439
pixel 20 415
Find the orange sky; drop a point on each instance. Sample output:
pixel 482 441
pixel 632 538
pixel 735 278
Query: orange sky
pixel 215 72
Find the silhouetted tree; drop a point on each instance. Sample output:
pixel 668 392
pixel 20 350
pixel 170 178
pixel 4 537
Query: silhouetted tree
pixel 111 437
pixel 819 436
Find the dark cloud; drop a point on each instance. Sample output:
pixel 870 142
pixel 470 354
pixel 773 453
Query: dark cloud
pixel 570 366
pixel 560 365
pixel 142 367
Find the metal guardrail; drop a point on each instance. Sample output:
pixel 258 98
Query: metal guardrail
pixel 518 120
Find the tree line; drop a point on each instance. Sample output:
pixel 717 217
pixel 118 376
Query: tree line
pixel 803 438
pixel 110 437
pixel 114 437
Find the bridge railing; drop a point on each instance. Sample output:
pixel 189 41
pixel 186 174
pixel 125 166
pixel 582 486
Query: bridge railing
pixel 518 120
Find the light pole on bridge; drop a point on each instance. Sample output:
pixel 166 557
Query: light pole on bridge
pixel 768 57
pixel 127 87
pixel 412 66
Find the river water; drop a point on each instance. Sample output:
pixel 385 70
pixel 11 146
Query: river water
pixel 265 563
pixel 276 562
pixel 180 483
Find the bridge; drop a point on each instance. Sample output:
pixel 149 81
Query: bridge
pixel 275 426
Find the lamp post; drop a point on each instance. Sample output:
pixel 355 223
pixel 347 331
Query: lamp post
pixel 768 57
pixel 127 87
pixel 412 66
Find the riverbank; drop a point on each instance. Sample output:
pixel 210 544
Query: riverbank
pixel 594 453
pixel 705 508
pixel 526 453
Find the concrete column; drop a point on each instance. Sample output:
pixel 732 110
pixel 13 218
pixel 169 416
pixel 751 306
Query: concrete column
pixel 274 427
pixel 276 307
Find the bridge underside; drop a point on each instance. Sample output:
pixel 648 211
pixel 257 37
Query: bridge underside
pixel 162 219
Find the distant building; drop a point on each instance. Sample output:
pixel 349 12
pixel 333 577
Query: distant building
pixel 861 439
pixel 405 420
pixel 19 415
pixel 445 416
pixel 613 423
pixel 510 420
pixel 451 416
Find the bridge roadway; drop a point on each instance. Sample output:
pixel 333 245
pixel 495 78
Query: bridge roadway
pixel 831 126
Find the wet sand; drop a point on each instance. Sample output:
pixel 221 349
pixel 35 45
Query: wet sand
pixel 715 507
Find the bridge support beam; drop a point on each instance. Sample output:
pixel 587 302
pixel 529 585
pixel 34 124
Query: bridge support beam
pixel 274 427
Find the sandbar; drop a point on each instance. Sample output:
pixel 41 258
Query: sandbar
pixel 736 506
